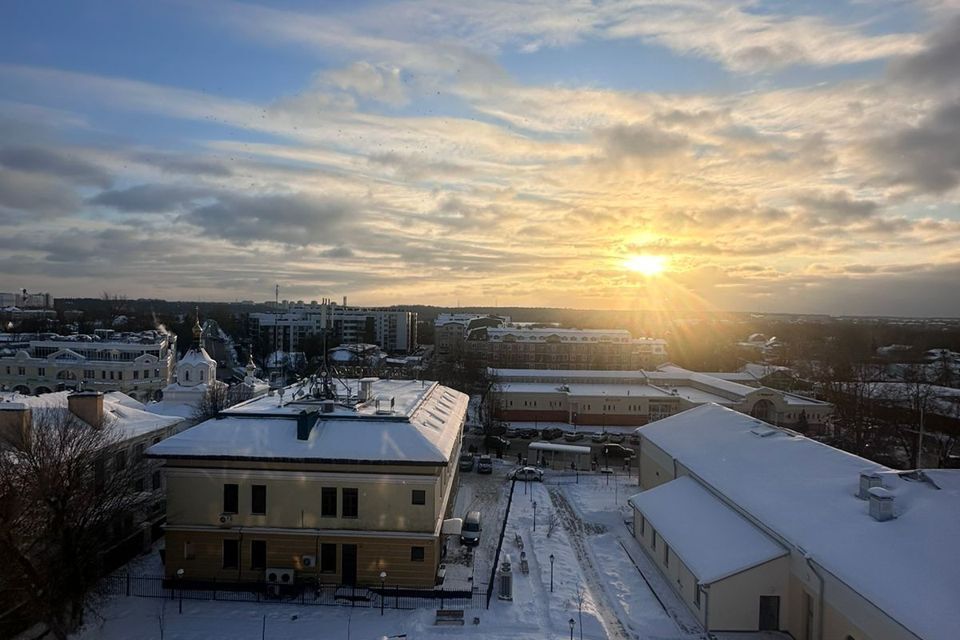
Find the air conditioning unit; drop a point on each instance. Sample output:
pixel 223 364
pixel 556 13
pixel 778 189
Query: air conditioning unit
pixel 279 576
pixel 225 520
pixel 308 562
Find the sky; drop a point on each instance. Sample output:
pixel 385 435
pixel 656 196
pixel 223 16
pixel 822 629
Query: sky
pixel 637 154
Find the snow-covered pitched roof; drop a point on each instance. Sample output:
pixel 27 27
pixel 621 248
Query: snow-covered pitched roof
pixel 130 417
pixel 422 428
pixel 195 356
pixel 805 492
pixel 713 540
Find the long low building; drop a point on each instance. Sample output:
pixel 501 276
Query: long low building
pixel 635 398
pixel 760 528
pixel 331 483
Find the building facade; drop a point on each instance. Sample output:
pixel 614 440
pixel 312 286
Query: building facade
pixel 635 398
pixel 138 364
pixel 395 331
pixel 759 528
pixel 333 484
pixel 554 348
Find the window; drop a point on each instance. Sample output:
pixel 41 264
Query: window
pixel 416 554
pixel 146 373
pixel 157 482
pixel 119 375
pixel 696 595
pixel 89 374
pixel 666 555
pixel 186 376
pixel 136 375
pixel 328 558
pixel 120 461
pixel 258 554
pixel 41 371
pixel 258 499
pixel 103 375
pixel 188 550
pixel 21 371
pixel 231 554
pixel 418 496
pixel 111 375
pixel 231 498
pixel 351 503
pixel 643 525
pixel 653 545
pixel 328 502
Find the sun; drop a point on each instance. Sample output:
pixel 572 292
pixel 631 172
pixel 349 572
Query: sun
pixel 648 265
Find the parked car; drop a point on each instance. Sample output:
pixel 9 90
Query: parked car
pixel 470 532
pixel 599 437
pixel 529 434
pixel 551 434
pixel 573 436
pixel 617 451
pixel 485 464
pixel 512 432
pixel 466 462
pixel 633 439
pixel 496 442
pixel 616 438
pixel 527 473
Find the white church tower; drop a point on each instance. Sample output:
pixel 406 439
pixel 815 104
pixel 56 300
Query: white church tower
pixel 195 372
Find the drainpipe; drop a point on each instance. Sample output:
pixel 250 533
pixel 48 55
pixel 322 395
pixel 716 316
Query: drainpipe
pixel 813 568
pixel 705 589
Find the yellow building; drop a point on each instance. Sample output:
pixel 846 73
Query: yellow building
pixel 759 528
pixel 326 483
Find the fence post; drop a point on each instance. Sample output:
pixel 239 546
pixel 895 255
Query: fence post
pixel 128 584
pixel 214 588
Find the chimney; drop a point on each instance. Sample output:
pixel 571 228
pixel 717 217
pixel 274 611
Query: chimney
pixel 869 479
pixel 305 424
pixel 881 504
pixel 15 423
pixel 366 389
pixel 88 406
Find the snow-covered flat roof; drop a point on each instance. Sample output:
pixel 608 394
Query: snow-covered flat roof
pixel 422 432
pixel 613 390
pixel 805 492
pixel 713 540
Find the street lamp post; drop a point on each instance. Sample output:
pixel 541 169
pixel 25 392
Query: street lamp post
pixel 180 585
pixel 551 572
pixel 383 593
pixel 572 622
pixel 534 515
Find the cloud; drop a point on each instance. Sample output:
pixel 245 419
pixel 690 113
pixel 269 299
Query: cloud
pixel 24 195
pixel 70 167
pixel 925 157
pixel 641 141
pixel 377 82
pixel 936 65
pixel 294 219
pixel 150 198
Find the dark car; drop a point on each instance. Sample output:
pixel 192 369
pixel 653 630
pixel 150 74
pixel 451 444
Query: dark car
pixel 466 462
pixel 617 451
pixel 528 434
pixel 496 442
pixel 485 464
pixel 551 434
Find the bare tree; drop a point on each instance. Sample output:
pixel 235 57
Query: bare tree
pixel 59 504
pixel 218 397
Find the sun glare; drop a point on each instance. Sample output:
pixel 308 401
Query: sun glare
pixel 646 264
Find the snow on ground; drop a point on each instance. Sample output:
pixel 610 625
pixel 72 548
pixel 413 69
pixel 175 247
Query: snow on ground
pixel 597 580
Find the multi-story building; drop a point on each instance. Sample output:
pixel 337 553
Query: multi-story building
pixel 634 398
pixel 450 331
pixel 138 364
pixel 760 528
pixel 134 427
pixel 553 348
pixel 322 483
pixel 392 330
pixel 25 300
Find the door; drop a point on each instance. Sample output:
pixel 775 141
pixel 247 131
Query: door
pixel 769 613
pixel 348 558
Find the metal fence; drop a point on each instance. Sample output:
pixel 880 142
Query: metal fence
pixel 388 597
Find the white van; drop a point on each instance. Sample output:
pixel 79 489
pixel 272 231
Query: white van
pixel 470 533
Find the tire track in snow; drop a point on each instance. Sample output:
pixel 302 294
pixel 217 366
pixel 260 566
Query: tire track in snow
pixel 577 529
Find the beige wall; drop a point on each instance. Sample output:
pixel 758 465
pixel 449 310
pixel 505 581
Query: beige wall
pixel 285 552
pixel 293 499
pixel 735 601
pixel 656 467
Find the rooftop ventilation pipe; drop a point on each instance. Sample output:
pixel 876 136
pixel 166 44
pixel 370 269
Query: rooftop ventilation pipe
pixel 304 424
pixel 366 389
pixel 881 504
pixel 868 480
